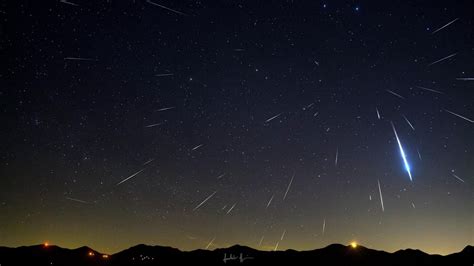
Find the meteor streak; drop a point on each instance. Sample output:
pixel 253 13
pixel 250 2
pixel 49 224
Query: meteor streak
pixel 442 59
pixel 204 201
pixel 427 89
pixel 408 121
pixel 164 75
pixel 460 116
pixel 197 147
pixel 167 8
pixel 68 3
pixel 231 208
pixel 396 94
pixel 288 188
pixel 164 109
pixel 283 235
pixel 130 177
pixel 458 178
pixel 445 25
pixel 273 117
pixel 324 225
pixel 210 243
pixel 380 193
pixel 79 59
pixel 153 125
pixel 270 201
pixel 402 152
pixel 77 200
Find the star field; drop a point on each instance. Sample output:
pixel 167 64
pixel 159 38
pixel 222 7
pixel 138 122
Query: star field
pixel 202 124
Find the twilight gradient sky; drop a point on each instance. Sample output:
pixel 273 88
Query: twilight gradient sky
pixel 275 115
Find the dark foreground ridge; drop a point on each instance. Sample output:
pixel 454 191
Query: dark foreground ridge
pixel 334 254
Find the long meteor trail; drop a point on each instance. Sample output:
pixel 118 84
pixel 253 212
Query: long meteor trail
pixel 204 201
pixel 442 59
pixel 380 194
pixel 460 116
pixel 445 25
pixel 167 8
pixel 289 186
pixel 402 152
pixel 273 117
pixel 130 177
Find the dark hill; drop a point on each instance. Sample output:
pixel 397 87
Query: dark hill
pixel 334 254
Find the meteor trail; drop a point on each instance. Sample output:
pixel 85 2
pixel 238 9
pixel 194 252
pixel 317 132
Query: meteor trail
pixel 406 119
pixel 149 161
pixel 79 59
pixel 153 125
pixel 197 147
pixel 337 154
pixel 307 106
pixel 221 176
pixel 402 152
pixel 273 117
pixel 427 89
pixel 77 200
pixel 283 235
pixel 133 175
pixel 164 75
pixel 164 109
pixel 288 188
pixel 261 240
pixel 460 116
pixel 447 24
pixel 210 243
pixel 270 201
pixel 68 3
pixel 231 208
pixel 465 78
pixel 378 114
pixel 324 225
pixel 204 201
pixel 419 154
pixel 442 59
pixel 458 178
pixel 380 193
pixel 167 8
pixel 396 94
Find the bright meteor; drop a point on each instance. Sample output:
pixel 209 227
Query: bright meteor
pixel 402 152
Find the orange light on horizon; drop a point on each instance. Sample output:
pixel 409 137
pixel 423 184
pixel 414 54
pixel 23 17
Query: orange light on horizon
pixel 105 256
pixel 90 253
pixel 46 244
pixel 354 244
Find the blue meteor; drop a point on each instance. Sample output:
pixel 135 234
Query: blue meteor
pixel 402 153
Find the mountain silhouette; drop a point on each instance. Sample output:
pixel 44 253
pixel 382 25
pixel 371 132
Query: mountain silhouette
pixel 335 254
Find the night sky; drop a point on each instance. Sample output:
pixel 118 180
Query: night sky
pixel 271 124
